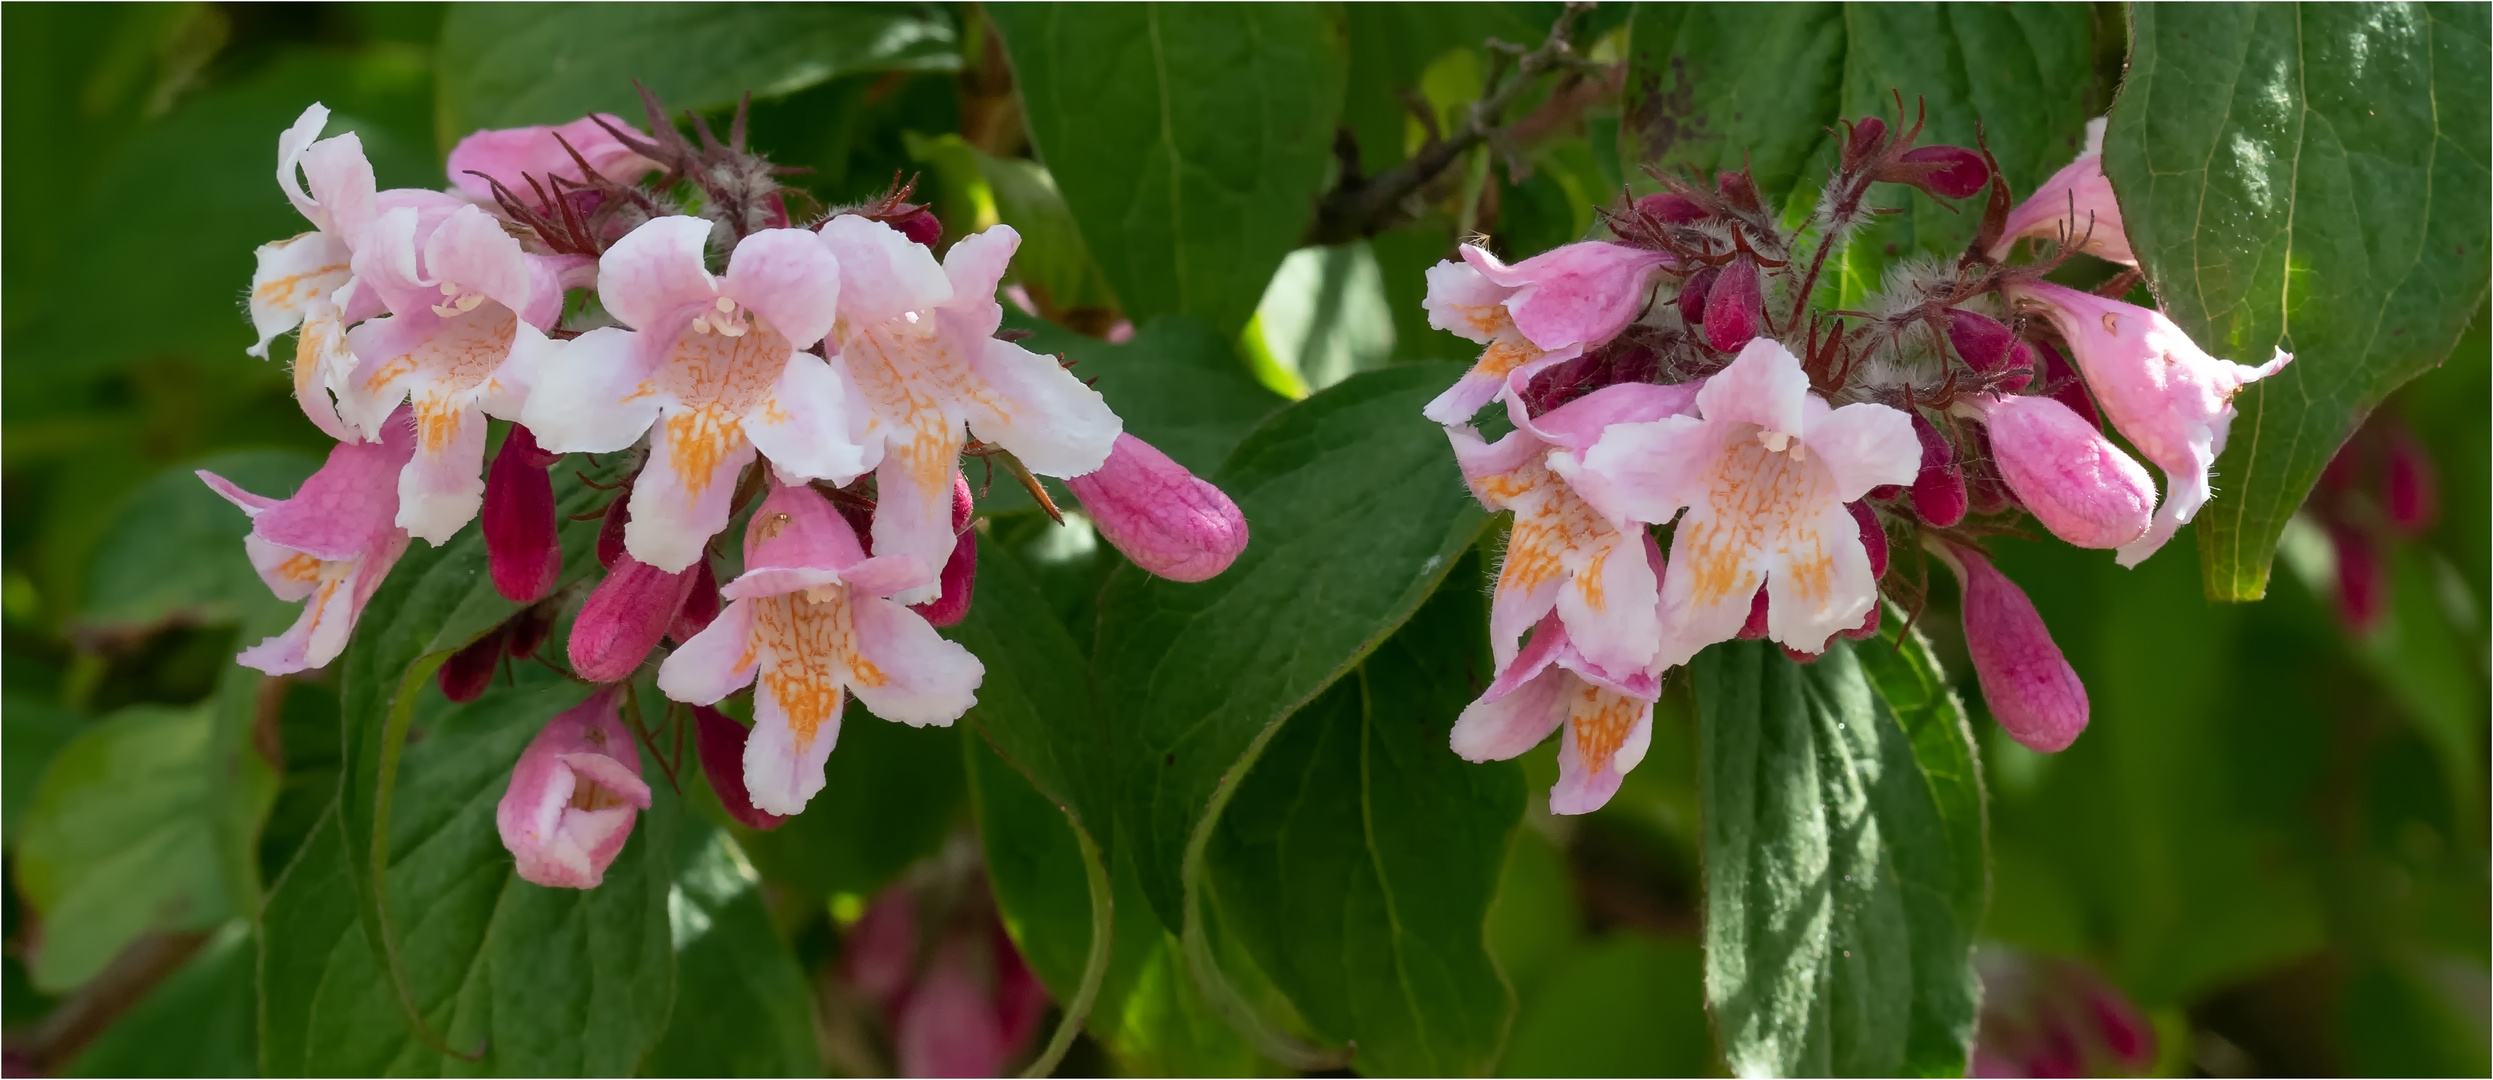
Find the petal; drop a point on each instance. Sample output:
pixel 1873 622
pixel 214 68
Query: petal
pixel 913 508
pixel 788 278
pixel 1510 358
pixel 1498 728
pixel 291 144
pixel 512 154
pixel 1864 445
pixel 592 394
pixel 340 180
pixel 441 489
pixel 1763 386
pixel 1646 472
pixel 883 275
pixel 349 505
pixel 1713 579
pixel 797 527
pixel 1579 423
pixel 903 670
pixel 1611 598
pixel 681 499
pixel 288 573
pixel 1818 580
pixel 323 362
pixel 290 274
pixel 656 269
pixel 385 263
pixel 1582 293
pixel 974 265
pixel 785 752
pixel 718 661
pixel 250 504
pixel 1462 302
pixel 1035 408
pixel 1488 467
pixel 805 427
pixel 471 250
pixel 1607 734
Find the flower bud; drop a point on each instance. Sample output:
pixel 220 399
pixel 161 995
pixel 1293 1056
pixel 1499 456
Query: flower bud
pixel 1949 172
pixel 921 227
pixel 2067 388
pixel 1939 491
pixel 2411 496
pixel 720 742
pixel 700 603
pixel 529 628
pixel 1864 141
pixel 1987 345
pixel 2362 580
pixel 2031 689
pixel 960 573
pixel 2071 478
pixel 1740 190
pixel 624 618
pixel 1734 306
pixel 469 671
pixel 521 549
pixel 1161 516
pixel 1692 294
pixel 573 796
pixel 1670 206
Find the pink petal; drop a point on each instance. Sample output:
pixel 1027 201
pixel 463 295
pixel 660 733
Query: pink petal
pixel 556 840
pixel 471 250
pixel 811 427
pixel 1035 408
pixel 1161 516
pixel 1582 293
pixel 1864 445
pixel 882 274
pixel 656 269
pixel 960 573
pixel 917 677
pixel 717 661
pixel 1764 385
pixel 681 498
pixel 512 154
pixel 788 278
pixel 2074 481
pixel 591 394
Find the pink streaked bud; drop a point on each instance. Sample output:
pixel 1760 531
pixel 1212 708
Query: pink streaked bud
pixel 2066 388
pixel 469 671
pixel 1670 206
pixel 1987 345
pixel 1734 306
pixel 521 549
pixel 1164 518
pixel 610 530
pixel 2412 497
pixel 2362 579
pixel 1939 490
pixel 2032 690
pixel 1949 172
pixel 960 573
pixel 700 604
pixel 624 618
pixel 1692 294
pixel 2071 478
pixel 573 796
pixel 721 744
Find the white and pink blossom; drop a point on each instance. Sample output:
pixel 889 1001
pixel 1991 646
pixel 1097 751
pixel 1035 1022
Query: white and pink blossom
pixel 1534 313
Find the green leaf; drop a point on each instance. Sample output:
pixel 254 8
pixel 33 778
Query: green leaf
pixel 1324 317
pixel 1629 1005
pixel 977 189
pixel 1190 140
pixel 890 795
pixel 2309 178
pixel 174 550
pixel 1391 44
pixel 32 733
pixel 506 65
pixel 1179 385
pixel 1711 86
pixel 1843 859
pixel 742 1005
pixel 121 837
pixel 547 981
pixel 197 1022
pixel 1357 862
pixel 1356 513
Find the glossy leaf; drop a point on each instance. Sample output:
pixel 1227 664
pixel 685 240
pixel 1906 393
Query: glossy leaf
pixel 1356 512
pixel 2312 179
pixel 197 1022
pixel 891 792
pixel 505 65
pixel 1843 860
pixel 545 981
pixel 1375 932
pixel 742 1005
pixel 1190 141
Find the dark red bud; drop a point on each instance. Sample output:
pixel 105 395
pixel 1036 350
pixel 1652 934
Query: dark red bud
pixel 2362 580
pixel 1670 206
pixel 2067 388
pixel 1939 492
pixel 1755 628
pixel 1733 306
pixel 1692 294
pixel 2413 497
pixel 700 604
pixel 469 671
pixel 610 531
pixel 521 550
pixel 1884 492
pixel 1873 537
pixel 721 743
pixel 1985 343
pixel 960 572
pixel 530 628
pixel 1739 190
pixel 624 618
pixel 1866 137
pixel 1958 172
pixel 921 227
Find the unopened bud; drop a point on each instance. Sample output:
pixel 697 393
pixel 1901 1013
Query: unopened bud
pixel 1740 190
pixel 1987 345
pixel 1939 491
pixel 2411 496
pixel 521 550
pixel 1161 516
pixel 624 618
pixel 2362 581
pixel 469 671
pixel 1949 172
pixel 700 603
pixel 1734 306
pixel 1670 206
pixel 1692 294
pixel 1864 141
pixel 2073 480
pixel 2032 690
pixel 921 227
pixel 720 742
pixel 960 573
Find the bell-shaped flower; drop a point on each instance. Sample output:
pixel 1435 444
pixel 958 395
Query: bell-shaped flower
pixel 712 371
pixel 1533 314
pixel 2030 687
pixel 919 340
pixel 1763 470
pixel 2075 205
pixel 511 155
pixel 2171 400
pixel 810 619
pixel 1166 519
pixel 1550 685
pixel 463 300
pixel 1561 554
pixel 573 796
pixel 2071 478
pixel 331 543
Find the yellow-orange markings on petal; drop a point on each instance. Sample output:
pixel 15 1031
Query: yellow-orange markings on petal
pixel 907 374
pixel 1504 356
pixel 280 292
pixel 698 440
pixel 1600 721
pixel 798 640
pixel 732 373
pixel 437 419
pixel 1756 498
pixel 298 567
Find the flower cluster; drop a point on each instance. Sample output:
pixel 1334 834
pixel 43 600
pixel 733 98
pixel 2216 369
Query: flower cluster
pixel 1673 386
pixel 653 302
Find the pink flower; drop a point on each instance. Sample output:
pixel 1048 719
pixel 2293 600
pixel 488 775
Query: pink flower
pixel 2172 401
pixel 331 543
pixel 1164 518
pixel 712 371
pixel 2031 689
pixel 919 340
pixel 512 154
pixel 2071 478
pixel 625 616
pixel 809 618
pixel 2043 1016
pixel 1550 684
pixel 573 796
pixel 2076 203
pixel 955 993
pixel 522 551
pixel 1763 470
pixel 1561 554
pixel 1537 312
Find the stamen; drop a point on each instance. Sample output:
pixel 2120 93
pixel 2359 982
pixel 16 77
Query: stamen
pixel 700 324
pixel 725 305
pixel 450 288
pixel 1773 441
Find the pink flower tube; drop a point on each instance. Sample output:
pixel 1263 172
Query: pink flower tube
pixel 1167 520
pixel 511 155
pixel 2074 481
pixel 2031 689
pixel 573 796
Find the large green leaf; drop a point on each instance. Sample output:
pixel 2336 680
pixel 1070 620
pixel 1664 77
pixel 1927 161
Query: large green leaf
pixel 2312 178
pixel 545 981
pixel 742 1005
pixel 1843 860
pixel 197 1022
pixel 1190 140
pixel 890 795
pixel 1356 513
pixel 504 65
pixel 173 552
pixel 1358 860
